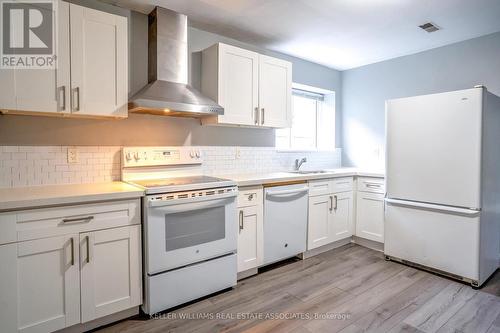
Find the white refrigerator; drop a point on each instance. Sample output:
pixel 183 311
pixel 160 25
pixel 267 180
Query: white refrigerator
pixel 442 207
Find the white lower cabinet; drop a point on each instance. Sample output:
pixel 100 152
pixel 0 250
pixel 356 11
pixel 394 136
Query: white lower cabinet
pixel 319 221
pixel 370 216
pixel 342 216
pixel 41 284
pixel 248 238
pixel 50 283
pixel 110 266
pixel 251 228
pixel 331 216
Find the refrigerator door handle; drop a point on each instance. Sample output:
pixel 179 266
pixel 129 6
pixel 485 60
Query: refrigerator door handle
pixel 423 205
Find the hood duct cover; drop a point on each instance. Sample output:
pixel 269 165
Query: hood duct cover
pixel 168 92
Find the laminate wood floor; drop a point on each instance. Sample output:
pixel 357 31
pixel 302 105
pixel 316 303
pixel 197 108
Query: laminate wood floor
pixel 349 289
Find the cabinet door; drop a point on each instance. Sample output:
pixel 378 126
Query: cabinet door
pixel 249 237
pixel 99 81
pixel 110 268
pixel 275 92
pixel 39 288
pixel 47 90
pixel 342 222
pixel 319 221
pixel 238 85
pixel 370 216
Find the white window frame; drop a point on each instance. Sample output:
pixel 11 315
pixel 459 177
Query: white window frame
pixel 327 94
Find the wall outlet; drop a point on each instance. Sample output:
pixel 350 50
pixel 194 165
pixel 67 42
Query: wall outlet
pixel 73 155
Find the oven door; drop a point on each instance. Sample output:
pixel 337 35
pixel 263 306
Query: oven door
pixel 189 231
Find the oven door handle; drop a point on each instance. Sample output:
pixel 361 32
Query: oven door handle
pixel 190 206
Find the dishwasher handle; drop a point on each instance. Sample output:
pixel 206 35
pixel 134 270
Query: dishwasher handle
pixel 288 193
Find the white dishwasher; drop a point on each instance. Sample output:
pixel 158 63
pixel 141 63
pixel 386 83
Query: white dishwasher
pixel 285 221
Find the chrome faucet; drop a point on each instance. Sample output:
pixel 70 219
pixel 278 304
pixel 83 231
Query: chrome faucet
pixel 298 163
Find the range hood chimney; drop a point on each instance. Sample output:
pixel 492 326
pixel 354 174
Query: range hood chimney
pixel 168 93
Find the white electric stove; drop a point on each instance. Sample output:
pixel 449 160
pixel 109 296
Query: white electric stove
pixel 190 227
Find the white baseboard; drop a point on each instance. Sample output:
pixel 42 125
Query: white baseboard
pixel 247 273
pixel 377 246
pixel 325 248
pixel 79 328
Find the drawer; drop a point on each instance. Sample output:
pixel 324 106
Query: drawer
pixel 343 184
pixel 372 185
pixel 250 196
pixel 48 222
pixel 320 187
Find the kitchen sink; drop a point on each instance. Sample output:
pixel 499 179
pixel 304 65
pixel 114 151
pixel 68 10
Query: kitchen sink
pixel 305 172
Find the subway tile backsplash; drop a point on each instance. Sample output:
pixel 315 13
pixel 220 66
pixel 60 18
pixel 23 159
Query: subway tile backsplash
pixel 48 165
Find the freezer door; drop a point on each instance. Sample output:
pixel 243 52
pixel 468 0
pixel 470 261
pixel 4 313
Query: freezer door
pixel 437 237
pixel 433 149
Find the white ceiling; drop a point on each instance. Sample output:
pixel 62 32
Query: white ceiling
pixel 341 34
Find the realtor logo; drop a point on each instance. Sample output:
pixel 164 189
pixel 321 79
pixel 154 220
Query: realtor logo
pixel 28 34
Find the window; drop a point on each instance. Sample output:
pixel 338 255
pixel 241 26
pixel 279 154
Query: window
pixel 313 121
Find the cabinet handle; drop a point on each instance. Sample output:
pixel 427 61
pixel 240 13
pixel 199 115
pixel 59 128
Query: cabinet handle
pixel 250 197
pixel 256 115
pixel 77 92
pixel 262 118
pixel 331 203
pixel 241 220
pixel 87 239
pixel 78 219
pixel 336 202
pixel 371 185
pixel 63 98
pixel 72 251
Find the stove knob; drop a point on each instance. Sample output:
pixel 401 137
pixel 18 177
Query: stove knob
pixel 198 154
pixel 128 156
pixel 136 156
pixel 192 154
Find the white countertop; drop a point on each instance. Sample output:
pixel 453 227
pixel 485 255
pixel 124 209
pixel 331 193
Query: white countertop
pixel 251 179
pixel 52 195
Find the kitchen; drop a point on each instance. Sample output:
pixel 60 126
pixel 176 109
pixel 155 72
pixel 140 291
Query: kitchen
pixel 272 192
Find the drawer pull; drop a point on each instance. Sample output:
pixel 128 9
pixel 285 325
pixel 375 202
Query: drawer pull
pixel 72 251
pixel 241 220
pixel 250 197
pixel 78 219
pixel 370 185
pixel 87 238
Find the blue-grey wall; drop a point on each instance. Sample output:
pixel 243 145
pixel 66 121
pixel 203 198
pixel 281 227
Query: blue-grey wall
pixel 365 89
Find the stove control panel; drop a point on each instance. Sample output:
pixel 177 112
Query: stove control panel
pixel 158 156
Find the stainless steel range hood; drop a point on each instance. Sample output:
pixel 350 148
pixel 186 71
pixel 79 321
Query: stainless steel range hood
pixel 168 93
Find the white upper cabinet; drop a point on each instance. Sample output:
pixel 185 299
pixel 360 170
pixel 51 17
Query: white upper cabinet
pixel 91 76
pixel 47 90
pixel 237 75
pixel 98 63
pixel 39 91
pixel 275 92
pixel 253 89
